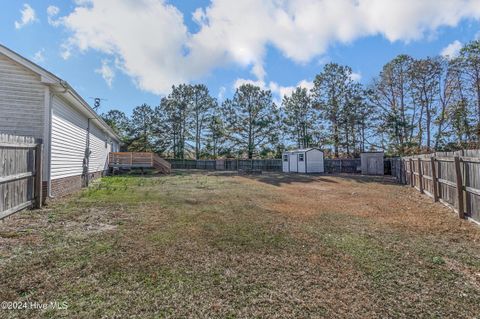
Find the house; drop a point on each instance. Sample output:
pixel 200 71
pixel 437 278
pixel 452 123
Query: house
pixel 372 163
pixel 76 141
pixel 309 160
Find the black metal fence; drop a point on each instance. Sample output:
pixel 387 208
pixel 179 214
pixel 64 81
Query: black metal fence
pixel 228 164
pixel 348 165
pixel 270 165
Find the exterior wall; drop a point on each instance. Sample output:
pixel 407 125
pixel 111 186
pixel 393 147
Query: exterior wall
pixel 22 100
pixel 372 163
pixel 67 185
pixel 314 160
pixel 285 167
pixel 70 131
pixel 100 146
pixel 293 162
pixel 301 164
pixel 69 140
pixel 25 110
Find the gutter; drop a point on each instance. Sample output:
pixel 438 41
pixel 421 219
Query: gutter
pixel 94 115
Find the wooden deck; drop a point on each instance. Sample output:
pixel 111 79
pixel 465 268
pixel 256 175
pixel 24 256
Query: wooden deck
pixel 138 160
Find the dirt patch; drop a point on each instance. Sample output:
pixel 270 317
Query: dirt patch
pixel 219 245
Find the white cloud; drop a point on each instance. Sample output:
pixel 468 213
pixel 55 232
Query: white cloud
pixel 28 16
pixel 239 82
pixel 221 93
pixel 259 71
pixel 107 73
pixel 281 91
pixel 147 38
pixel 65 51
pixel 452 50
pixel 356 76
pixel 278 91
pixel 39 56
pixel 152 44
pixel 52 12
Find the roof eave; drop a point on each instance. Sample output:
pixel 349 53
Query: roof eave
pixel 50 79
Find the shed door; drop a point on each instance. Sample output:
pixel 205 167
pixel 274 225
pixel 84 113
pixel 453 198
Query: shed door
pixel 294 163
pixel 373 166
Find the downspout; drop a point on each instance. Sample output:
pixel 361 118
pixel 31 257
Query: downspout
pixel 50 115
pixel 86 159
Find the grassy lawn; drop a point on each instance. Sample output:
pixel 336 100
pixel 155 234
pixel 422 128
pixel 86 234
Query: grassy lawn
pixel 204 245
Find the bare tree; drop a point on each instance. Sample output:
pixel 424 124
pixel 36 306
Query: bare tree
pixel 424 76
pixel 202 105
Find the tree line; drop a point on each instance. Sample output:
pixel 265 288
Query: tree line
pixel 412 106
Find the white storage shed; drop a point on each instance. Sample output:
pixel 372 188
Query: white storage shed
pixel 308 160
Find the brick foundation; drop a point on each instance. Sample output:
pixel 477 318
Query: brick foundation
pixel 71 184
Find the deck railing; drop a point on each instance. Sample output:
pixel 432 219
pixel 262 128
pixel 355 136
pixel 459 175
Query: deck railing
pixel 138 160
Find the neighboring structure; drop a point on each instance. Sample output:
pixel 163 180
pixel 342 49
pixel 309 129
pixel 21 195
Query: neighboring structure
pixel 372 163
pixel 309 160
pixel 34 102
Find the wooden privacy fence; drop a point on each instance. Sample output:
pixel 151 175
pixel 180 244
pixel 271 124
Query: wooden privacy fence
pixel 20 173
pixel 453 178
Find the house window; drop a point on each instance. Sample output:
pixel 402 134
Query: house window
pixel 300 157
pixel 285 158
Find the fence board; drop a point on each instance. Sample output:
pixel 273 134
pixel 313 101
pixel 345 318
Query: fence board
pixel 440 175
pixel 18 174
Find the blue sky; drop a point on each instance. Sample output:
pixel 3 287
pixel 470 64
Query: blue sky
pixel 146 46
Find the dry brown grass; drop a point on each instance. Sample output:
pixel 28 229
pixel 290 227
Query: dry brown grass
pixel 218 245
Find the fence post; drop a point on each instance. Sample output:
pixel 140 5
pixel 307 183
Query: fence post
pixel 434 179
pixel 458 173
pixel 411 172
pixel 38 175
pixel 420 175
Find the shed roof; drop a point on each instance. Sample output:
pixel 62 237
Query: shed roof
pixel 303 150
pixel 51 79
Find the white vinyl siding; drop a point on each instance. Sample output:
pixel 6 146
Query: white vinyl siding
pixel 99 155
pixel 315 162
pixel 22 100
pixel 69 136
pixel 285 166
pixel 303 161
